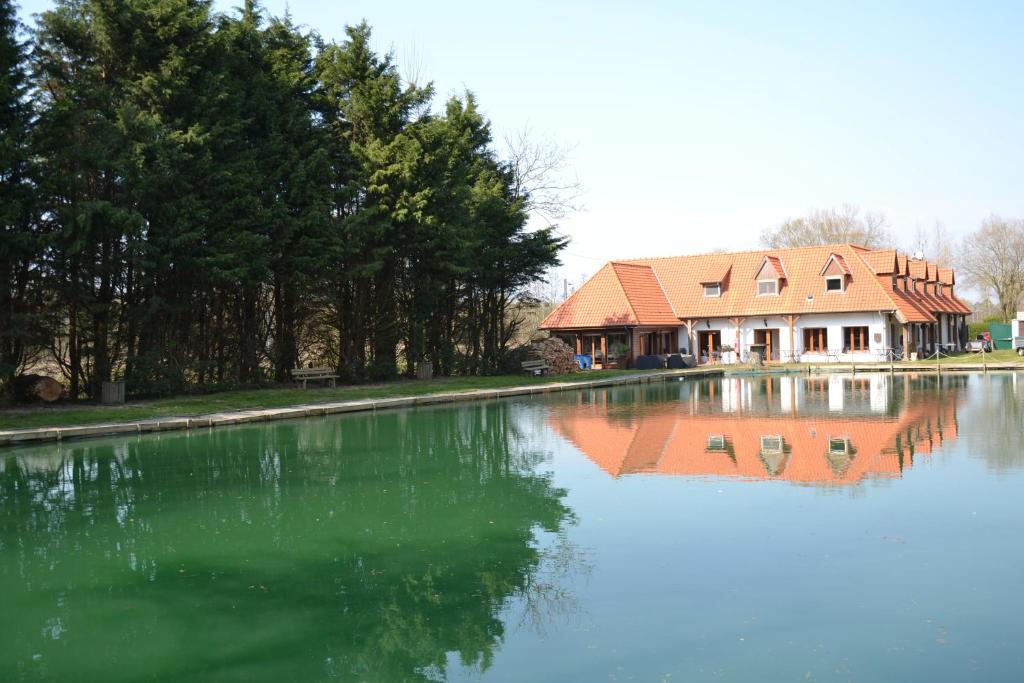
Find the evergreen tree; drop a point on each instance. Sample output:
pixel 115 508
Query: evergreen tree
pixel 21 302
pixel 222 197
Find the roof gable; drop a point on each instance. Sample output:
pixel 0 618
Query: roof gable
pixel 645 294
pixel 835 265
pixel 771 268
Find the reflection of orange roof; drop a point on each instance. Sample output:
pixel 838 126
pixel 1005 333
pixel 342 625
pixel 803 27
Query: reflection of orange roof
pixel 661 291
pixel 811 449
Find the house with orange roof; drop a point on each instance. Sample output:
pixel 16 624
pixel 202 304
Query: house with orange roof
pixel 836 302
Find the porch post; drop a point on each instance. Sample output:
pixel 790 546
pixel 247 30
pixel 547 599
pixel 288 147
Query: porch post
pixel 604 351
pixel 906 341
pixel 579 344
pixel 791 321
pixel 691 343
pixel 737 322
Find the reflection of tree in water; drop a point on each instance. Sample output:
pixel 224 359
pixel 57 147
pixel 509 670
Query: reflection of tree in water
pixel 995 417
pixel 364 548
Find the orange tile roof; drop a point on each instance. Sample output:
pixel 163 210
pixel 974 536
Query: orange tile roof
pixel 661 291
pixel 619 294
pixel 599 302
pixel 715 270
pixel 645 294
pixel 882 262
pixel 917 269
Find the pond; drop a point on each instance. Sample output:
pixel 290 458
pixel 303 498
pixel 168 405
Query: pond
pixel 836 528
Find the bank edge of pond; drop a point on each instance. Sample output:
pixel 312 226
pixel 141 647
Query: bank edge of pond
pixel 14 437
pixel 42 434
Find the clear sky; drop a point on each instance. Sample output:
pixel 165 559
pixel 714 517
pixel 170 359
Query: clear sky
pixel 696 125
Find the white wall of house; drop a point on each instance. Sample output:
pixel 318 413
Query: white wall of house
pixel 878 324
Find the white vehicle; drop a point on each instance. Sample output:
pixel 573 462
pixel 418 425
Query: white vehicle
pixel 979 344
pixel 1018 345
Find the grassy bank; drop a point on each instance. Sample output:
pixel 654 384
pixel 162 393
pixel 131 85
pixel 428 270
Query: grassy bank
pixel 1001 356
pixel 186 406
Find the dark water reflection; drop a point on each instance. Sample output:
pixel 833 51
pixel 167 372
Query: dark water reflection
pixel 535 540
pixel 361 548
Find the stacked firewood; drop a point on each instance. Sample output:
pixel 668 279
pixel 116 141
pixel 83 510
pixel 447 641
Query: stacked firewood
pixel 559 356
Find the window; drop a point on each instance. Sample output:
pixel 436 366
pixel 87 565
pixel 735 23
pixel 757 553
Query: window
pixel 771 444
pixel 839 446
pixel 713 290
pixel 815 339
pixel 855 338
pixel 833 284
pixel 716 442
pixel 767 287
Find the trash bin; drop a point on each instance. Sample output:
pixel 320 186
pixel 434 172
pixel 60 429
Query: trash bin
pixel 756 354
pixel 112 392
pixel 425 370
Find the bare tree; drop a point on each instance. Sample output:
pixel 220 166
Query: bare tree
pixel 935 244
pixel 830 226
pixel 541 175
pixel 992 260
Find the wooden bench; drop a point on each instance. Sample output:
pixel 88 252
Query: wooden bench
pixel 535 367
pixel 306 374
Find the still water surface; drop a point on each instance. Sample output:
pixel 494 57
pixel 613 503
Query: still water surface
pixel 744 529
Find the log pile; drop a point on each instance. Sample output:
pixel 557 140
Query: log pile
pixel 557 354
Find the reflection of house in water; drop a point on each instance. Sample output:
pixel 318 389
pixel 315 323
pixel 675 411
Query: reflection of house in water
pixel 829 430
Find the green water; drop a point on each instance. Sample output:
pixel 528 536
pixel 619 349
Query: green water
pixel 746 529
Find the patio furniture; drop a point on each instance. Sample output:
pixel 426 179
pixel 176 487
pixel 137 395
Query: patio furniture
pixel 649 362
pixel 309 374
pixel 534 367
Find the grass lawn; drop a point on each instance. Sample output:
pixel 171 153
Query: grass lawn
pixel 1001 356
pixel 267 398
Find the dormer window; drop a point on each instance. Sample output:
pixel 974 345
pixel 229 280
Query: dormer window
pixel 770 276
pixel 835 272
pixel 713 289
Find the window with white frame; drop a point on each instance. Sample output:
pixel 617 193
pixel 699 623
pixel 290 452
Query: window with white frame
pixel 834 283
pixel 713 289
pixel 767 287
pixel 716 442
pixel 839 446
pixel 771 444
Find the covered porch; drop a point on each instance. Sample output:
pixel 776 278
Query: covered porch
pixel 620 347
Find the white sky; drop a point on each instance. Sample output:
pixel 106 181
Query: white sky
pixel 696 125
